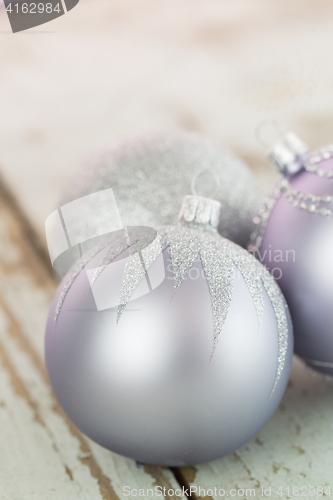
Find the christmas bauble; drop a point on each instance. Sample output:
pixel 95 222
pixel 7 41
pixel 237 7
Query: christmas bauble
pixel 151 174
pixel 294 240
pixel 171 348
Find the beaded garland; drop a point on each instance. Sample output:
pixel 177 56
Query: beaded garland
pixel 304 201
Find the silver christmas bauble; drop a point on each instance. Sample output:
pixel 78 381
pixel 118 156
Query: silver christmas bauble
pixel 171 348
pixel 151 174
pixel 295 241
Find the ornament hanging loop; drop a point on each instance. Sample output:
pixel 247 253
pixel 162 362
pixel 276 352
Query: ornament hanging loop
pixel 268 132
pixel 197 175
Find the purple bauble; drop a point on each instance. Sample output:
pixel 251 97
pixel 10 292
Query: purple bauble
pixel 295 241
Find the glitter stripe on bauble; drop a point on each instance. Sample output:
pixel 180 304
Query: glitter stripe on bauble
pixel 135 238
pixel 303 201
pixel 218 256
pixel 297 218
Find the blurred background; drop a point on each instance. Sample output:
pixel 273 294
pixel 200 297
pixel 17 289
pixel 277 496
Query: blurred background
pixel 110 68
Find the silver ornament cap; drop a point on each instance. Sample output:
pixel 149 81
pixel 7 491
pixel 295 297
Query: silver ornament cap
pixel 200 213
pixel 287 154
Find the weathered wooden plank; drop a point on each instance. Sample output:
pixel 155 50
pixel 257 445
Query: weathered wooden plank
pixel 42 454
pixel 208 69
pixel 31 463
pixel 294 449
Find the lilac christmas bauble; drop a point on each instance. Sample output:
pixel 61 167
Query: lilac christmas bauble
pixel 295 241
pixel 173 349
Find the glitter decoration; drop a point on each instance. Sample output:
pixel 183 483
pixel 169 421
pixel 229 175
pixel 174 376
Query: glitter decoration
pixel 74 273
pixel 309 202
pixel 264 213
pixel 304 201
pixel 280 308
pixel 195 235
pixel 136 268
pixel 185 245
pixel 310 163
pixel 252 277
pixel 218 257
pixel 151 174
pixel 136 238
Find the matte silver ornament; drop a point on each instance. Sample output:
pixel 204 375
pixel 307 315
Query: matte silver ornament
pixel 193 358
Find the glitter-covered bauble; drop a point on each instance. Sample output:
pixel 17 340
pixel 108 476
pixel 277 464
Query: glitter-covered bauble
pixel 295 241
pixel 171 347
pixel 151 174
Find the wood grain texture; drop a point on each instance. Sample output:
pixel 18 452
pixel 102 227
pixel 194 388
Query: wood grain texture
pixel 42 454
pixel 112 67
pixel 294 449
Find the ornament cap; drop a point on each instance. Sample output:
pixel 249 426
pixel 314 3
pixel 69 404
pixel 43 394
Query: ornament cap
pixel 199 212
pixel 287 154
